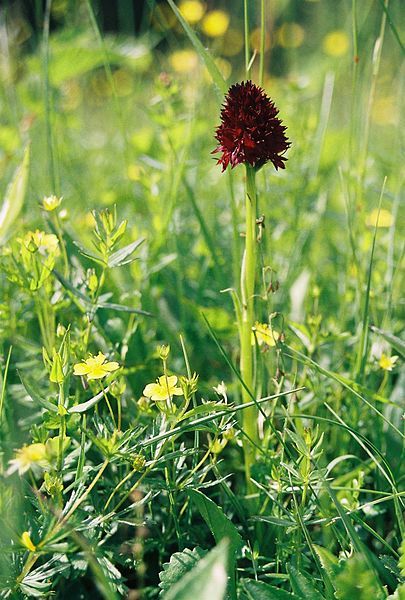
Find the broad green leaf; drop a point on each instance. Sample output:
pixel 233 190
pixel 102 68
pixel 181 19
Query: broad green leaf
pixel 180 563
pixel 221 528
pixel 219 524
pixel 259 590
pixel 301 586
pixel 206 581
pixel 14 197
pixel 328 561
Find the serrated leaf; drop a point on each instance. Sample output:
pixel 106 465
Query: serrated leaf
pixel 180 563
pixel 15 194
pixel 206 581
pixel 328 561
pixel 259 590
pixel 301 586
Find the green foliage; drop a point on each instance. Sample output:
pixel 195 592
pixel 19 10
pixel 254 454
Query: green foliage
pixel 121 251
pixel 179 564
pixel 206 580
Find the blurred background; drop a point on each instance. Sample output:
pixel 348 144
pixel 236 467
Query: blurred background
pixel 120 109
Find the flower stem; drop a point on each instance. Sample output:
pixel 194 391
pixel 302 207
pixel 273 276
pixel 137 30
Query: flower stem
pixel 248 289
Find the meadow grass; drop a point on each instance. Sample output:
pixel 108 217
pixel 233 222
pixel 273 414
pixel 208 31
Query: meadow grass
pixel 123 432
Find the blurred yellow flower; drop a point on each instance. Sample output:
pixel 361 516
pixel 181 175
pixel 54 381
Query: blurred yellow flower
pixel 95 367
pixel 44 243
pixel 384 219
pixel 49 203
pixel 28 456
pixel 192 10
pixel 255 39
pixel 290 35
pixel 264 334
pixel 336 43
pixel 224 67
pixel 232 42
pixel 183 61
pixel 385 111
pixel 27 542
pixel 387 362
pixel 163 389
pixel 215 23
pixel 134 172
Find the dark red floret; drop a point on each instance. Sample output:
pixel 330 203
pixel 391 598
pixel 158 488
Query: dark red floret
pixel 250 131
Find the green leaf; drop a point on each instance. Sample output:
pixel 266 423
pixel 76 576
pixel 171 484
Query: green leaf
pixel 80 408
pixel 33 392
pixel 396 342
pixel 14 197
pixel 301 586
pixel 221 528
pixel 121 256
pixel 258 590
pixel 328 561
pixel 219 524
pixel 206 581
pixel 180 563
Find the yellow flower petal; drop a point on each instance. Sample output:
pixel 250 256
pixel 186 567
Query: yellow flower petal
pixel 27 542
pixel 97 372
pixel 81 369
pixel 215 23
pixel 111 366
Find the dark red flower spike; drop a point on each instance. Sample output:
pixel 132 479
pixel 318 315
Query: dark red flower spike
pixel 250 131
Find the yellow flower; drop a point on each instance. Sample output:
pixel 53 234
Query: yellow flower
pixel 336 43
pixel 387 362
pixel 384 219
pixel 28 456
pixel 163 389
pixel 95 367
pixel 49 203
pixel 192 10
pixel 44 243
pixel 183 61
pixel 264 334
pixel 215 23
pixel 27 542
pixel 290 35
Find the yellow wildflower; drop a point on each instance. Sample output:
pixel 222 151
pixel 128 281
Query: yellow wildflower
pixel 27 457
pixel 264 334
pixel 290 35
pixel 336 43
pixel 184 61
pixel 192 10
pixel 95 367
pixel 384 219
pixel 215 23
pixel 387 362
pixel 163 389
pixel 27 542
pixel 44 243
pixel 50 203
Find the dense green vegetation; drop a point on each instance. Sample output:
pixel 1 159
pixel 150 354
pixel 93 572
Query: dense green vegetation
pixel 123 443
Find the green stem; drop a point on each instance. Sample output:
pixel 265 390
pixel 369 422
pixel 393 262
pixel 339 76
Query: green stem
pixel 248 272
